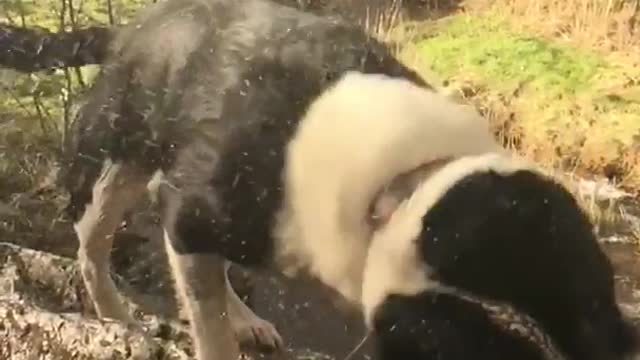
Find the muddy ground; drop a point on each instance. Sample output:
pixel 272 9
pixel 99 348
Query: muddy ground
pixel 36 287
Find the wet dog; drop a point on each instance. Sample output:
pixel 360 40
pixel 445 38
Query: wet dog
pixel 276 138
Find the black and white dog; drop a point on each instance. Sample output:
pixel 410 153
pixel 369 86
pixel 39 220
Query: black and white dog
pixel 273 137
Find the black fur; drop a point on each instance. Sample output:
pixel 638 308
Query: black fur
pixel 522 239
pixel 442 326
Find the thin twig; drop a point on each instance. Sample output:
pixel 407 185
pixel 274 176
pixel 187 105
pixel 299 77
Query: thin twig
pixel 36 103
pixel 17 100
pixel 74 26
pixel 110 12
pixel 358 346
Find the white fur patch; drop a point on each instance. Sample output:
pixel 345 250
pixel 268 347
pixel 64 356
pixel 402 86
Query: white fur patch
pixel 355 138
pixel 393 264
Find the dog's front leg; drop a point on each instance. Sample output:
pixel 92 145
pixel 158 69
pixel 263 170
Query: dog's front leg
pixel 201 285
pixel 115 191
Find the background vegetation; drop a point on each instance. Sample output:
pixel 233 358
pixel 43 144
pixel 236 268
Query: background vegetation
pixel 559 79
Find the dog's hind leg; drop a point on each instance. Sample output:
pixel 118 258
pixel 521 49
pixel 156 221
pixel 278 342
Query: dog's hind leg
pixel 200 283
pixel 250 329
pixel 195 241
pixel 115 191
pixel 199 274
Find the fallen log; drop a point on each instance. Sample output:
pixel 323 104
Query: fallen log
pixel 34 49
pixel 29 332
pixel 45 313
pixel 43 316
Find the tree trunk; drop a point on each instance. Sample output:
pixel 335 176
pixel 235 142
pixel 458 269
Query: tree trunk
pixel 32 49
pixel 45 313
pixel 28 332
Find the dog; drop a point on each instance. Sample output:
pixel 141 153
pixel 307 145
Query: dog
pixel 272 137
pixel 492 244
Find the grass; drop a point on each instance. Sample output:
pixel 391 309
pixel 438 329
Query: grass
pixel 559 100
pixel 486 47
pixel 609 26
pixel 567 106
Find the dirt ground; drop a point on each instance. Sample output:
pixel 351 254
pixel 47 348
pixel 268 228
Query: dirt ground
pixel 42 290
pixel 39 279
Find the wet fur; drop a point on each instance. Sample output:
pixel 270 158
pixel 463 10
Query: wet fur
pixel 237 111
pixel 270 136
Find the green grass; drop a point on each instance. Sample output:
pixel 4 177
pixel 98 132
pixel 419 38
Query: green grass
pixel 569 96
pixel 487 47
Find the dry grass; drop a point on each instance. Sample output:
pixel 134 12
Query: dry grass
pixel 612 29
pixel 588 126
pixel 606 215
pixel 608 25
pixel 568 106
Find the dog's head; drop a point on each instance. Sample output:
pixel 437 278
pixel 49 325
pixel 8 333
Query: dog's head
pixel 492 228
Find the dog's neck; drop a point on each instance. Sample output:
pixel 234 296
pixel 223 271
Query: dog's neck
pixel 504 315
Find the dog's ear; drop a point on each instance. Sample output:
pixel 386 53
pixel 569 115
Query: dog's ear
pixel 399 190
pixel 383 207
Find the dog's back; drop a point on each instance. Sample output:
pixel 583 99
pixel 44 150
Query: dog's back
pixel 163 86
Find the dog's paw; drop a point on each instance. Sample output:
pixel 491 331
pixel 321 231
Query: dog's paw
pixel 255 333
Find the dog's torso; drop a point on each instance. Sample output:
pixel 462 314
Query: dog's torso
pixel 213 95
